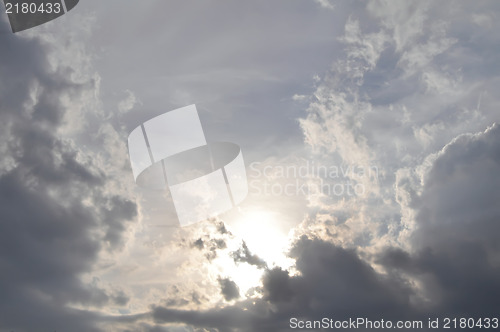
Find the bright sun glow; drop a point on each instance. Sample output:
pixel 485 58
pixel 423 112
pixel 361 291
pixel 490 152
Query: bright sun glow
pixel 263 238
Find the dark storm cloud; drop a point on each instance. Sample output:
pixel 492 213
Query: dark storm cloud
pixel 336 280
pixel 52 199
pixel 277 286
pixel 458 225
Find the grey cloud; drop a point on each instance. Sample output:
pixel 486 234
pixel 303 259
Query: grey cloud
pixel 199 244
pixel 398 104
pixel 210 245
pixel 277 286
pixel 229 289
pixel 221 228
pixel 407 85
pixel 114 212
pixel 332 281
pixel 456 241
pixel 120 298
pixel 52 200
pixel 179 297
pixel 244 255
pixel 224 319
pixel 337 280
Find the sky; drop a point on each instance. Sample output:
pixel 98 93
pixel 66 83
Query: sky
pixel 371 139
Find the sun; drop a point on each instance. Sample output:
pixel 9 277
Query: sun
pixel 263 236
pixel 260 231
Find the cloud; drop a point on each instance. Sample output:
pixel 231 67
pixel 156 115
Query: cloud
pixel 211 244
pixel 276 286
pixel 453 269
pixel 331 280
pixel 128 103
pixel 409 83
pixel 455 253
pixel 57 211
pixel 422 242
pixel 243 255
pixel 229 289
pixel 399 93
pixel 326 4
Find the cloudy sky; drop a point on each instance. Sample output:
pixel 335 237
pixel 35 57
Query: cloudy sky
pixel 370 137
